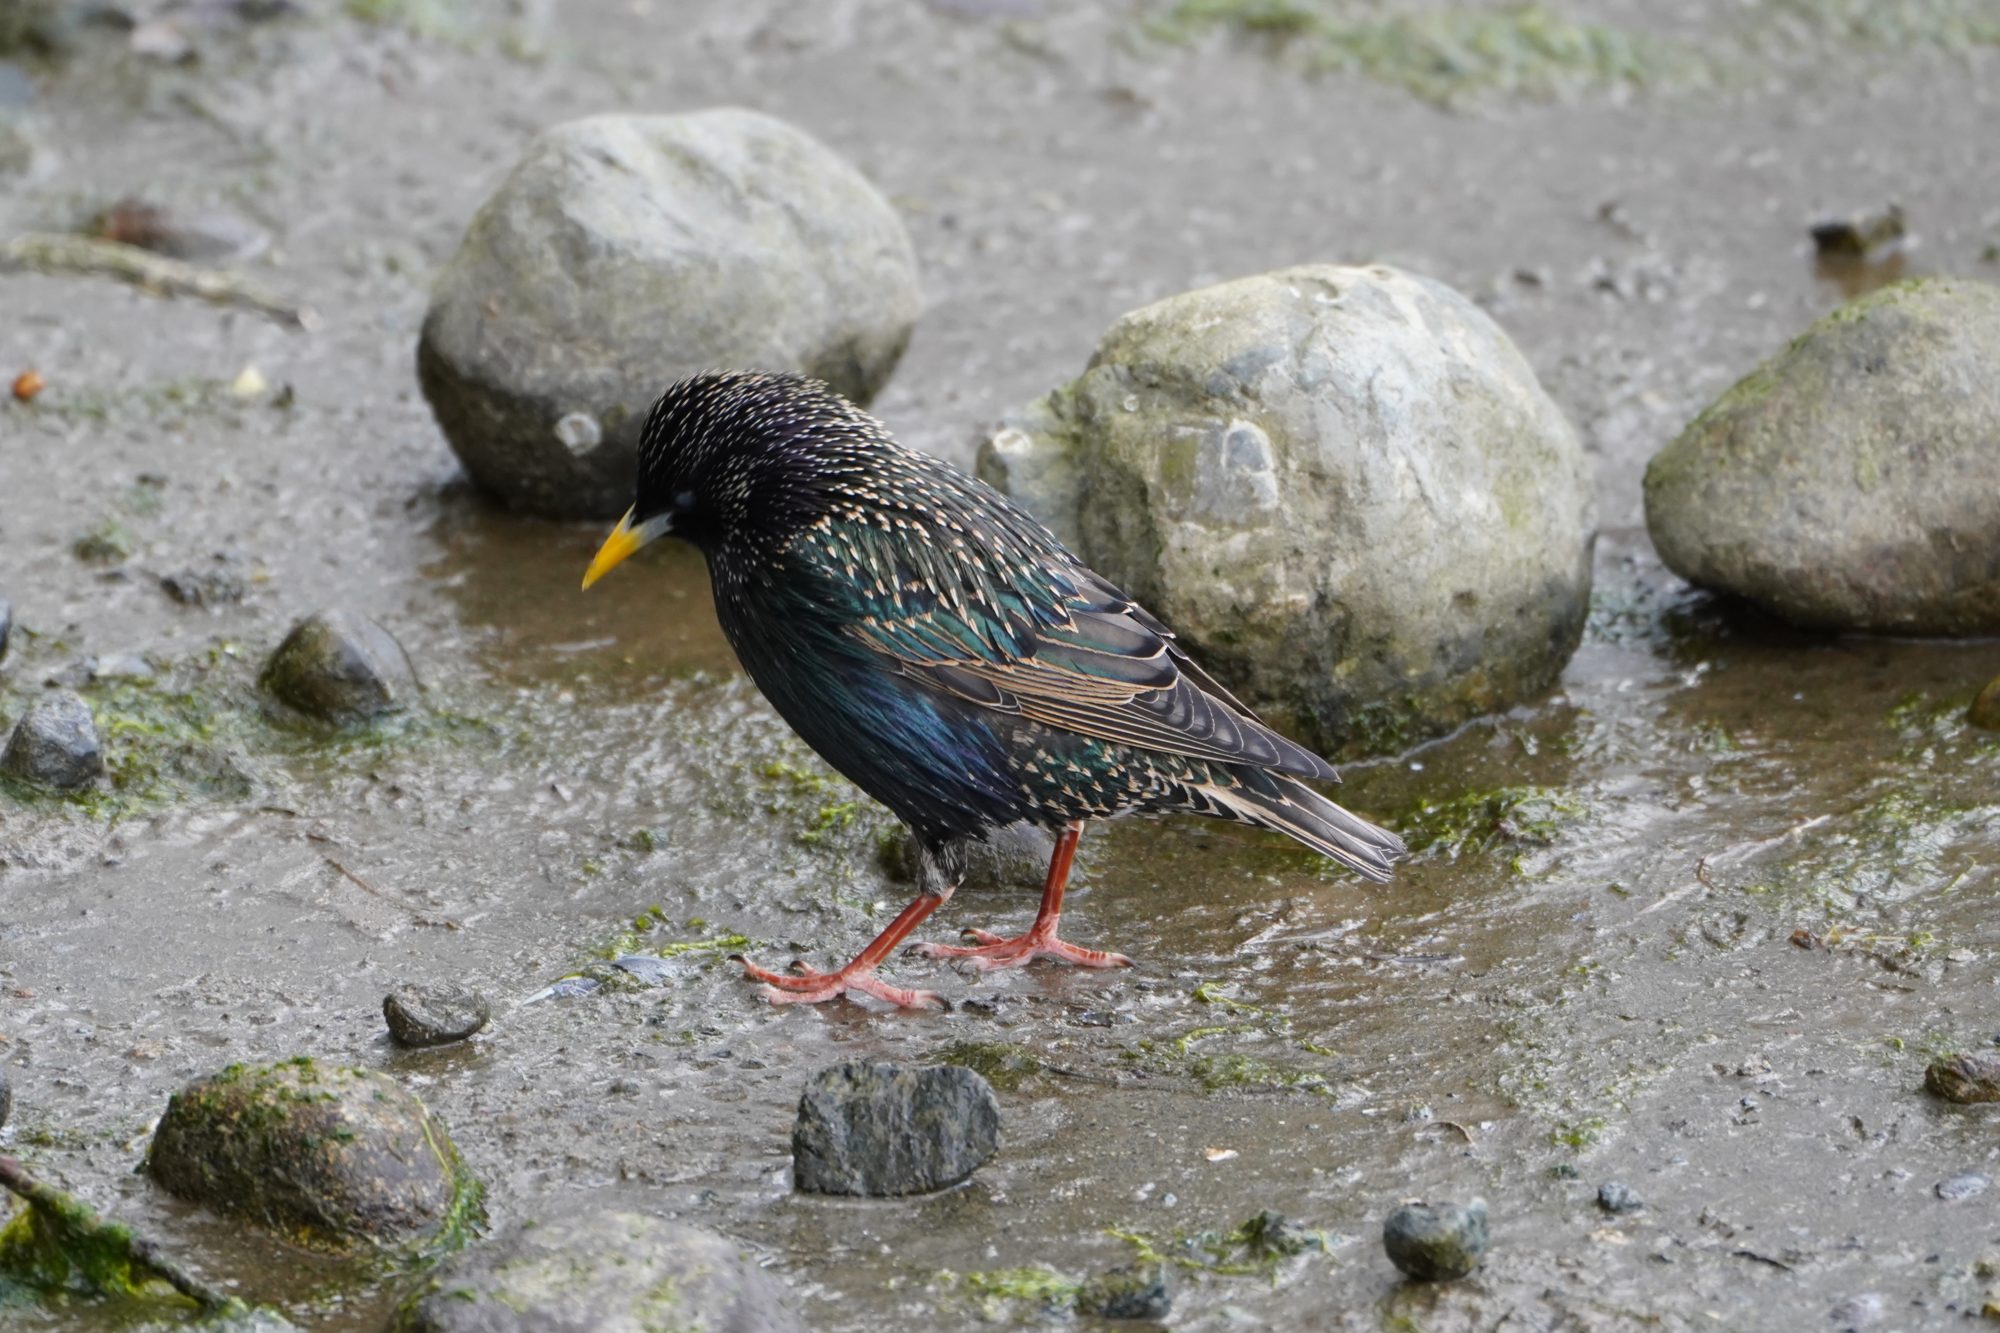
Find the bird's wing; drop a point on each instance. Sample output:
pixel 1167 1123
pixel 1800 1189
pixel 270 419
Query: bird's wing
pixel 1056 644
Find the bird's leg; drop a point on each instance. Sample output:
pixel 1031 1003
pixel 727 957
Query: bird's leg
pixel 805 985
pixel 1040 940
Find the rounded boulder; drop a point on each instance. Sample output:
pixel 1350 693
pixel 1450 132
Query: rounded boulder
pixel 625 252
pixel 609 1271
pixel 1344 488
pixel 341 1160
pixel 1851 481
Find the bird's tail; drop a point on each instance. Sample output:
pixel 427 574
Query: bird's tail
pixel 1272 801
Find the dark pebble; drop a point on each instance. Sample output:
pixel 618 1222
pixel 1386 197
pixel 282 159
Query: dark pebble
pixel 214 586
pixel 1614 1197
pixel 888 1129
pixel 434 1015
pixel 6 624
pixel 1436 1242
pixel 55 742
pixel 1962 1186
pixel 1860 237
pixel 1138 1291
pixel 340 668
pixel 1965 1078
pixel 6 1098
pixel 1985 711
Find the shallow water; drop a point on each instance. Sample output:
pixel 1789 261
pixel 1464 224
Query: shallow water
pixel 1694 923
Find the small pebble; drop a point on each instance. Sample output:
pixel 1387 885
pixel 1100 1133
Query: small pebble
pixel 1858 1311
pixel 1614 1197
pixel 1436 1242
pixel 6 624
pixel 1138 1291
pixel 1965 1078
pixel 6 1098
pixel 1865 236
pixel 434 1015
pixel 579 432
pixel 216 586
pixel 1962 1186
pixel 55 742
pixel 28 384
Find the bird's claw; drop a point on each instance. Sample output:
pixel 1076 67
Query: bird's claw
pixel 804 984
pixel 997 951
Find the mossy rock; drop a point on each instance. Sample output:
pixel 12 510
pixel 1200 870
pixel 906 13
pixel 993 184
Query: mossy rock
pixel 1851 481
pixel 339 1160
pixel 1344 488
pixel 340 668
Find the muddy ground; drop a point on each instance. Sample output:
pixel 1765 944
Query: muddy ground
pixel 1694 923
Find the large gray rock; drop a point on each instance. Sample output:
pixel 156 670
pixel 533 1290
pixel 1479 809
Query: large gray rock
pixel 1343 487
pixel 627 251
pixel 1852 481
pixel 342 1160
pixel 1436 1242
pixel 613 1271
pixel 341 668
pixel 55 742
pixel 888 1129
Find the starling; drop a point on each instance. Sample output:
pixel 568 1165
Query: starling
pixel 945 652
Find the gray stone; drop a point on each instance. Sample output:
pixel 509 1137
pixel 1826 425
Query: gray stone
pixel 1436 1242
pixel 1614 1197
pixel 340 667
pixel 1965 1078
pixel 606 1271
pixel 55 742
pixel 434 1015
pixel 1985 710
pixel 1851 481
pixel 888 1129
pixel 1014 857
pixel 342 1160
pixel 1343 487
pixel 212 585
pixel 627 251
pixel 6 1098
pixel 1964 1185
pixel 1138 1291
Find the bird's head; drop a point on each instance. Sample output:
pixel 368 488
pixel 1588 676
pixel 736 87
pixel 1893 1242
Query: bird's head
pixel 732 461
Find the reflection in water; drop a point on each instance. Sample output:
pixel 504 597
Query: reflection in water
pixel 518 577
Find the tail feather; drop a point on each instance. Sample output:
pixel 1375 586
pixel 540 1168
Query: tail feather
pixel 1296 810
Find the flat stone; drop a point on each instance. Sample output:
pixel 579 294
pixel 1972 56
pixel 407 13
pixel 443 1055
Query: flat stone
pixel 888 1129
pixel 609 1270
pixel 1850 482
pixel 55 742
pixel 1436 1242
pixel 1963 1186
pixel 343 1160
pixel 434 1015
pixel 1343 488
pixel 340 667
pixel 626 252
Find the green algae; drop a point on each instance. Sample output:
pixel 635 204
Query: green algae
pixel 1006 1065
pixel 1445 56
pixel 1258 1246
pixel 1475 823
pixel 996 1294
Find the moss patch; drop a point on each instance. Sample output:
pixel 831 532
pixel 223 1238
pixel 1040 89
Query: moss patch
pixel 1476 823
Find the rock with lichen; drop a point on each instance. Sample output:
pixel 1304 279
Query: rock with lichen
pixel 627 251
pixel 1851 481
pixel 341 668
pixel 1965 1078
pixel 1436 1242
pixel 342 1160
pixel 1343 487
pixel 588 1269
pixel 434 1015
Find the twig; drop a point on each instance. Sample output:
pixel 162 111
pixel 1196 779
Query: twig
pixel 416 912
pixel 78 1219
pixel 54 252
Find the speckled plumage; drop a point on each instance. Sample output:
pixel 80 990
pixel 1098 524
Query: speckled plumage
pixel 939 647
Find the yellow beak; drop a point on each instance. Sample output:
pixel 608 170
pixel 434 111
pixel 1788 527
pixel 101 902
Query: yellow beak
pixel 624 540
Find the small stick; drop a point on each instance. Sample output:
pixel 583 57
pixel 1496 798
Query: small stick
pixel 54 252
pixel 71 1214
pixel 416 912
